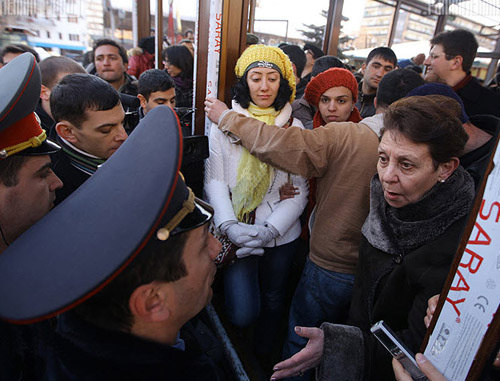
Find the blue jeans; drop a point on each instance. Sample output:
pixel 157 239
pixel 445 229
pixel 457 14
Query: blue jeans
pixel 321 295
pixel 255 289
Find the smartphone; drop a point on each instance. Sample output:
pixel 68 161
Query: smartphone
pixel 397 349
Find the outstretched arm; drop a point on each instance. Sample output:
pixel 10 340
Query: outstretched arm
pixel 303 152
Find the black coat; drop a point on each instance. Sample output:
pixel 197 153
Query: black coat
pixel 479 100
pixel 390 288
pixel 400 289
pixel 81 351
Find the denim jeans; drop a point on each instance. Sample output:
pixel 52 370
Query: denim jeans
pixel 255 289
pixel 321 295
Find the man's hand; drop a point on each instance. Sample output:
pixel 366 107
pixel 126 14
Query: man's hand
pixel 425 366
pixel 214 109
pixel 431 307
pixel 307 358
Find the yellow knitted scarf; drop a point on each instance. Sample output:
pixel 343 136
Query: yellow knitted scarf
pixel 254 176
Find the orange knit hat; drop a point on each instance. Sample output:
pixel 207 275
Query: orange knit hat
pixel 334 77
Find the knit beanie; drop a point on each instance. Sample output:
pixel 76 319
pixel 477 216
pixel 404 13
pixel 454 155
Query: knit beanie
pixel 440 89
pixel 334 77
pixel 268 57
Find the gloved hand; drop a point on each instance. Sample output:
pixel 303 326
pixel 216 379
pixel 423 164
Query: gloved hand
pixel 265 233
pixel 238 232
pixel 243 252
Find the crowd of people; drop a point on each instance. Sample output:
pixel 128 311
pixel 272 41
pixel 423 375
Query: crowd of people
pixel 369 177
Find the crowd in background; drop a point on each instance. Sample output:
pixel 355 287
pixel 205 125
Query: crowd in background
pixel 359 181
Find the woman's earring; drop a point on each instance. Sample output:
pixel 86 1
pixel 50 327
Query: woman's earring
pixel 442 180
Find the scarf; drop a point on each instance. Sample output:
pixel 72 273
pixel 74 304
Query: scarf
pixel 183 83
pixel 401 230
pixel 79 159
pixel 254 176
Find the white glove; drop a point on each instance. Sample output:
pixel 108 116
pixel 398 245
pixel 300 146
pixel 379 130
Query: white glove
pixel 243 252
pixel 238 232
pixel 265 233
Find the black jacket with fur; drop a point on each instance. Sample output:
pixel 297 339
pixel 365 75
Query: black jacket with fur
pixel 395 284
pixel 390 288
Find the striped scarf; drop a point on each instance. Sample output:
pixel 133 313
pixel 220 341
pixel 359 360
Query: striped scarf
pixel 79 159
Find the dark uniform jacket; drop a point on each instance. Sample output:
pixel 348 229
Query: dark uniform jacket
pixel 82 351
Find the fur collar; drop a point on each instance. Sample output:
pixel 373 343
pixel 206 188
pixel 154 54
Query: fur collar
pixel 401 230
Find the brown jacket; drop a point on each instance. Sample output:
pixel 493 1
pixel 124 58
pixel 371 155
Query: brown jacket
pixel 343 158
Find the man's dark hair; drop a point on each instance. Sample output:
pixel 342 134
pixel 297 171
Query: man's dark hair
pixel 187 32
pixel 396 84
pixel 241 93
pixel 19 49
pixel 77 93
pixel 9 169
pixel 154 80
pixel 52 67
pixel 458 42
pixel 106 41
pixel 297 56
pixel 160 261
pixel 180 56
pixel 422 120
pixel 383 52
pixel 324 63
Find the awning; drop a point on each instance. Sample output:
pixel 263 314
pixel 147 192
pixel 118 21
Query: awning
pixel 52 45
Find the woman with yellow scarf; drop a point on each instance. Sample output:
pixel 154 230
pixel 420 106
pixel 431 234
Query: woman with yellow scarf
pixel 245 195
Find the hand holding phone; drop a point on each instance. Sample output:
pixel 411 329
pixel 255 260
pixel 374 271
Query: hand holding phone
pixel 397 349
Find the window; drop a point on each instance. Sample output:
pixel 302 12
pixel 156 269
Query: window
pixel 73 19
pixel 60 36
pixel 74 37
pixel 48 34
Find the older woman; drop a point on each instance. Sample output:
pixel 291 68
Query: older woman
pixel 419 203
pixel 245 195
